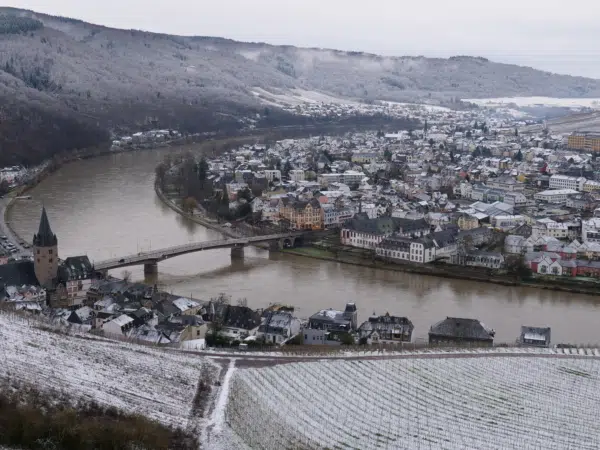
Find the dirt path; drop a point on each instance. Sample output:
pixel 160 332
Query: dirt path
pixel 214 423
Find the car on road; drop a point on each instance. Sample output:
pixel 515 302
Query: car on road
pixel 227 225
pixel 4 238
pixel 122 260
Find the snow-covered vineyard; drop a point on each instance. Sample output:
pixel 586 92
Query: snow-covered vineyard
pixel 479 402
pixel 160 385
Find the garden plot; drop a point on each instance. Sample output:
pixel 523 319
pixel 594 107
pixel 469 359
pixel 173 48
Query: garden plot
pixel 136 379
pixel 483 402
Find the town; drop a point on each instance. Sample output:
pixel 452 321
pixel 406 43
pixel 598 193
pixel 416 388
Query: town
pixel 466 194
pixel 70 292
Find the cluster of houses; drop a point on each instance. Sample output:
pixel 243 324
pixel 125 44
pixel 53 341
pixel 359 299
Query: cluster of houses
pixel 143 139
pixel 333 327
pixel 462 190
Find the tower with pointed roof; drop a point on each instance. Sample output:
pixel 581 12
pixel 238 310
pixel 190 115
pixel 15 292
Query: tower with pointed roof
pixel 45 252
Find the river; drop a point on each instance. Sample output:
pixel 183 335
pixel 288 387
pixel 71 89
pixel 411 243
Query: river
pixel 106 207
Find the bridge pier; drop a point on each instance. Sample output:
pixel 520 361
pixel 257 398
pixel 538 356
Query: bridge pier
pixel 237 252
pixel 151 269
pixel 103 273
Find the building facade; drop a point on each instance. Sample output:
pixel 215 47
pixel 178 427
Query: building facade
pixel 587 141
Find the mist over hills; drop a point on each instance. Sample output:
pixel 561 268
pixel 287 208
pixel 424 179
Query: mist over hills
pixel 65 84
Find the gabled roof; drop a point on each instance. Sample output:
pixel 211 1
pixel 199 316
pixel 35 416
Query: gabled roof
pixel 385 225
pixel 122 320
pixel 462 328
pixel 240 317
pixel 77 268
pixel 18 273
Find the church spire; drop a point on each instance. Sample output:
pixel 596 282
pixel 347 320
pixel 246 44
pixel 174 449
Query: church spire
pixel 45 237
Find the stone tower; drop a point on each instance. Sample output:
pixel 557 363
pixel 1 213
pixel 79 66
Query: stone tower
pixel 45 252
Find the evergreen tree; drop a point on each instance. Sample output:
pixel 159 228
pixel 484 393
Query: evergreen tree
pixel 286 169
pixel 202 169
pixel 519 155
pixel 516 132
pixel 426 127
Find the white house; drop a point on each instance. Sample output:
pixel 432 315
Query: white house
pixel 507 222
pixel 590 230
pixel 297 175
pixel 119 325
pixel 277 327
pixel 272 175
pixel 514 244
pixel 555 195
pixel 557 230
pixel 420 250
pixel 546 266
pixel 566 182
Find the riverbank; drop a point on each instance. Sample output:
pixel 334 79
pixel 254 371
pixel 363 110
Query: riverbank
pixel 446 271
pixel 205 222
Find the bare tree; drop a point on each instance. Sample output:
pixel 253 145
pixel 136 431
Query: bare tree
pixel 126 274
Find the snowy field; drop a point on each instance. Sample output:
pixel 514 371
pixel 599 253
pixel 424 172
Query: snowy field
pixel 538 101
pixel 424 403
pixel 296 97
pixel 136 379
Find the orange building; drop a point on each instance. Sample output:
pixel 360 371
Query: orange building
pixel 302 214
pixel 585 140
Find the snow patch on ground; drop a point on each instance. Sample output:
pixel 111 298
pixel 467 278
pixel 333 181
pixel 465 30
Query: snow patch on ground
pixel 537 101
pixel 431 108
pixel 297 97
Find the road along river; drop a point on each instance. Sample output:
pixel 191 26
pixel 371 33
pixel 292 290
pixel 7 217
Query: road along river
pixel 106 207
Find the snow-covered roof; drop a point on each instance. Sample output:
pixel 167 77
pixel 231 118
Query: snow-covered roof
pixel 122 320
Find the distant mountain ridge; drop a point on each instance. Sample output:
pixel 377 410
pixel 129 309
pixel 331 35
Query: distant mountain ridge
pixel 111 79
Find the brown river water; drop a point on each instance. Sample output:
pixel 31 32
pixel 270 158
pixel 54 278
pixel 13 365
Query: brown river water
pixel 106 207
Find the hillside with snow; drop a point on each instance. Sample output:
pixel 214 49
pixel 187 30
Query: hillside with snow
pixel 460 401
pixel 64 83
pixel 135 379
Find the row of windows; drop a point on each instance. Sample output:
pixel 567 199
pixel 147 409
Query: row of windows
pixel 544 269
pixel 49 260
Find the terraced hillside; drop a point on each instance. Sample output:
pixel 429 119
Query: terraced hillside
pixel 135 379
pixel 537 401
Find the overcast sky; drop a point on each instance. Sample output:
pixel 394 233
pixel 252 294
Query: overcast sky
pixel 557 35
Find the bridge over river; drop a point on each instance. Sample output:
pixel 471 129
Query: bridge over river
pixel 151 259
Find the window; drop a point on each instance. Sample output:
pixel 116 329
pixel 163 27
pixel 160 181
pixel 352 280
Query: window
pixel 50 251
pixel 50 260
pixel 38 252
